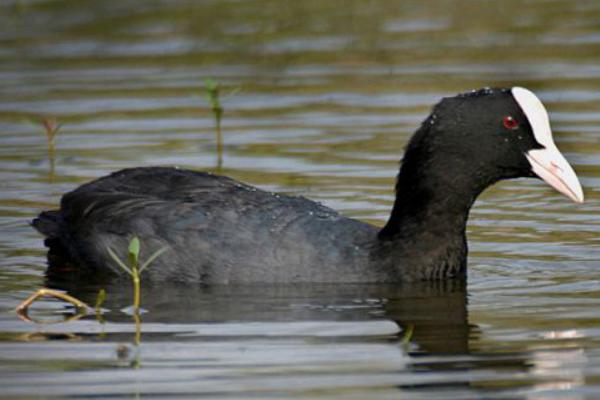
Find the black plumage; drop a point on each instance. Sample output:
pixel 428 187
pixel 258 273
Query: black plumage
pixel 218 230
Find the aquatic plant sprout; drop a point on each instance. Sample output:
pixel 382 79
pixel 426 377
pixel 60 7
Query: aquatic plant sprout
pixel 51 129
pixel 134 269
pixel 212 95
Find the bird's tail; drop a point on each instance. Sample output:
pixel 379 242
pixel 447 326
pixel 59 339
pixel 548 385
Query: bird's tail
pixel 48 224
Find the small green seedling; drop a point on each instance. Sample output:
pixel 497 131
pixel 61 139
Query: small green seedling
pixel 212 97
pixel 134 269
pixel 98 306
pixel 408 333
pixel 51 129
pixel 100 300
pixel 213 93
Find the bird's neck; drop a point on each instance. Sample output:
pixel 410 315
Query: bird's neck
pixel 429 218
pixel 438 207
pixel 434 195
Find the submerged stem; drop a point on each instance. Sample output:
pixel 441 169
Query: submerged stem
pixel 138 327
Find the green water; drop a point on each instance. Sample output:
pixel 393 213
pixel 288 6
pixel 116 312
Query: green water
pixel 327 94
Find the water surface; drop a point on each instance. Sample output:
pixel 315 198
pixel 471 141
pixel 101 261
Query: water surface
pixel 329 93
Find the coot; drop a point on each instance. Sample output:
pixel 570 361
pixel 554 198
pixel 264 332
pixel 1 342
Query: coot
pixel 218 230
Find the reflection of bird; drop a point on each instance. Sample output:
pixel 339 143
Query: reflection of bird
pixel 432 315
pixel 221 231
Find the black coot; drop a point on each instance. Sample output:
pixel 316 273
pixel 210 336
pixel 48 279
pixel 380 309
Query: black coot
pixel 218 230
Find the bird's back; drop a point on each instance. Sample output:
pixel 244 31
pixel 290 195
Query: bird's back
pixel 216 230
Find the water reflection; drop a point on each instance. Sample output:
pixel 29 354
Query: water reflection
pixel 407 339
pixel 331 90
pixel 435 313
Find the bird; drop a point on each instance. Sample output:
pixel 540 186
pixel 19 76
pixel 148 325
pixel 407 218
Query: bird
pixel 216 230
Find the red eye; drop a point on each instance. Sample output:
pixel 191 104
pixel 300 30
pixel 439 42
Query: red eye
pixel 510 123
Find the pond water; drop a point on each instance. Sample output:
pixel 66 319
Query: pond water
pixel 326 94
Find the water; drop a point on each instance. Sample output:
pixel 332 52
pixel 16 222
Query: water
pixel 330 92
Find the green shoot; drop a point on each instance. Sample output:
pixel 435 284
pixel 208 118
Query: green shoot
pixel 408 333
pixel 100 300
pixel 51 128
pixel 134 270
pixel 212 97
pixel 98 306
